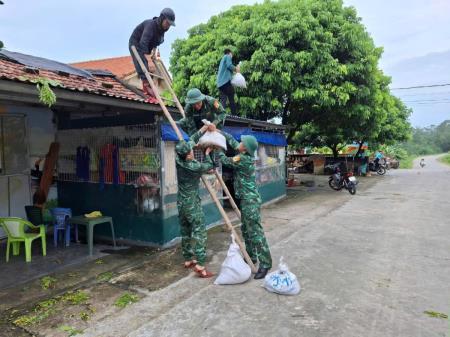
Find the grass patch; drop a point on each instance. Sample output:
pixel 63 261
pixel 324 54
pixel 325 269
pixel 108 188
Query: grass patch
pixel 407 163
pixel 44 309
pixel 445 159
pixel 48 282
pixel 75 297
pixel 105 277
pixel 71 331
pixel 126 299
pixel 435 314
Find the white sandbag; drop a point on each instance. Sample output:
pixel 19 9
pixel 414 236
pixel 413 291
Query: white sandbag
pixel 214 138
pixel 234 270
pixel 238 81
pixel 282 281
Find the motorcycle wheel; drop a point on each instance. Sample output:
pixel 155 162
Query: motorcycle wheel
pixel 352 190
pixel 381 170
pixel 333 185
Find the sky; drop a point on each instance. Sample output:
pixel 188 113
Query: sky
pixel 415 35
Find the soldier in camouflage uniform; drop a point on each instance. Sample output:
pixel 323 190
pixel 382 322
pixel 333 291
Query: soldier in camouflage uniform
pixel 246 190
pixel 192 219
pixel 199 107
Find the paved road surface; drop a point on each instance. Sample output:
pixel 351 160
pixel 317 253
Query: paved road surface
pixel 369 265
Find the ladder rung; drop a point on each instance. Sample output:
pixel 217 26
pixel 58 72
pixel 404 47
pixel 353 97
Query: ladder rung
pixel 223 198
pixel 236 226
pixel 168 99
pixel 157 76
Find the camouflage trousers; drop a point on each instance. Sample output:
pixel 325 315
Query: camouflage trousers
pixel 193 230
pixel 253 233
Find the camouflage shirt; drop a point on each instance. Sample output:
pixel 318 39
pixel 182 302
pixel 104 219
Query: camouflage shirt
pixel 243 166
pixel 193 120
pixel 189 173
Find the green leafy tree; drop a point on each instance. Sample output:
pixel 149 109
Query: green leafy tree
pixel 309 62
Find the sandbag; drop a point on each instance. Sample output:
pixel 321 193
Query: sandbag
pixel 282 281
pixel 213 139
pixel 238 81
pixel 234 270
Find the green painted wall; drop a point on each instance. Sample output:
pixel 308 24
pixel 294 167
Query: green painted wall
pixel 118 201
pixel 272 190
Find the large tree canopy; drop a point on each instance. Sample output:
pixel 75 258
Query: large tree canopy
pixel 309 62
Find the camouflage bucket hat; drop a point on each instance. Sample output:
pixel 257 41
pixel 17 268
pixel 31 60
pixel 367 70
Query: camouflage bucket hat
pixel 183 148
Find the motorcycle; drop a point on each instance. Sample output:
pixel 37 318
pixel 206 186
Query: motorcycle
pixel 377 167
pixel 338 181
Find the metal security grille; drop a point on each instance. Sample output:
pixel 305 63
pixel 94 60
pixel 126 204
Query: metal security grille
pixel 110 155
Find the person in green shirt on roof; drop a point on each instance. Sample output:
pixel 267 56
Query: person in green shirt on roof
pixel 199 107
pixel 246 191
pixel 224 76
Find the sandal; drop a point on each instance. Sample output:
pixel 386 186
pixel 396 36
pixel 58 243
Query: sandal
pixel 190 264
pixel 203 273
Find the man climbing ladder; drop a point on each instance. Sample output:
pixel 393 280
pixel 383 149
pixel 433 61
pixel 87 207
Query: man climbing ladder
pixel 146 37
pixel 211 191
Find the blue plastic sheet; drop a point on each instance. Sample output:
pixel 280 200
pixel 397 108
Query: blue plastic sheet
pixel 168 133
pixel 276 139
pixel 269 138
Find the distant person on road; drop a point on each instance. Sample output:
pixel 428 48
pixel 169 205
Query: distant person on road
pixel 224 76
pixel 422 163
pixel 378 156
pixel 146 37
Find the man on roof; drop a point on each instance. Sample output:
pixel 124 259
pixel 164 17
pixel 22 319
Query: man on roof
pixel 146 37
pixel 199 107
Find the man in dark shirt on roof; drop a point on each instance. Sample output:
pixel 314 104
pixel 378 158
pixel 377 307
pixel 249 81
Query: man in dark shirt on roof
pixel 146 37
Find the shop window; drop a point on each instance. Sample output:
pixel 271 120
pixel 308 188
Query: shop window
pixel 119 155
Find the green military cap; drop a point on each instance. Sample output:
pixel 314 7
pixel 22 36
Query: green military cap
pixel 194 96
pixel 183 148
pixel 250 143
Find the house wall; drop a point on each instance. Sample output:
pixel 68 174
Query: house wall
pixel 16 190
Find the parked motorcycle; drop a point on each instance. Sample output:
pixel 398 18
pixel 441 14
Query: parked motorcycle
pixel 338 181
pixel 377 167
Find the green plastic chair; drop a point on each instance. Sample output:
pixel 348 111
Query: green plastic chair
pixel 15 229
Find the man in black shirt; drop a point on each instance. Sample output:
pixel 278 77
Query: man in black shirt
pixel 146 37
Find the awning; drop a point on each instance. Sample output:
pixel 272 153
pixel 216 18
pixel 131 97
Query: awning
pixel 168 133
pixel 276 139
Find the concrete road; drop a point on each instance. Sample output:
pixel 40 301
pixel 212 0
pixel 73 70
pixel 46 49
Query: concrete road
pixel 369 265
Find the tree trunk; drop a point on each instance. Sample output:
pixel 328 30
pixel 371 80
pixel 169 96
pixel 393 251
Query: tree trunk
pixel 285 111
pixel 361 143
pixel 334 148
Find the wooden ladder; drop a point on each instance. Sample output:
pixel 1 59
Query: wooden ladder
pixel 163 75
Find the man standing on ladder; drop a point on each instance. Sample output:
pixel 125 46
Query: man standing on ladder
pixel 146 37
pixel 199 107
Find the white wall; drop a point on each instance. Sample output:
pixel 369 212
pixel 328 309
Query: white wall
pixel 15 191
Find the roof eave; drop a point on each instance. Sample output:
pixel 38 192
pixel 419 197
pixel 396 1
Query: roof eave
pixel 26 93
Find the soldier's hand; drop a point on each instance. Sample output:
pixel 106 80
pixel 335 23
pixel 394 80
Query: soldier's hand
pixel 212 127
pixel 204 128
pixel 208 151
pixel 216 104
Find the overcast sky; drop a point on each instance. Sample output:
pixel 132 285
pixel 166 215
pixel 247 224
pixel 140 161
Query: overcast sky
pixel 415 35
